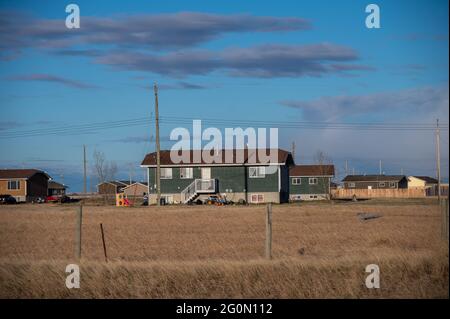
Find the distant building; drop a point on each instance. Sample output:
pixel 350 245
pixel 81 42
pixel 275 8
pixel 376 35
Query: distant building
pixel 428 184
pixel 112 187
pixel 25 185
pixel 310 182
pixel 137 189
pixel 375 182
pixel 422 182
pixel 56 189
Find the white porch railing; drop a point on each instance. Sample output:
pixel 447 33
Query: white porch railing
pixel 198 186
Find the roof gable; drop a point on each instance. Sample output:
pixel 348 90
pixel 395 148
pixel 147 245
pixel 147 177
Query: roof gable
pixel 20 173
pixel 282 156
pixel 312 170
pixel 373 178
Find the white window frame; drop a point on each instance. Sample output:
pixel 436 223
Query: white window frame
pixel 381 184
pixel 259 198
pixel 351 185
pixel 166 176
pixel 259 170
pixel 296 181
pixel 392 185
pixel 312 179
pixel 187 175
pixel 16 183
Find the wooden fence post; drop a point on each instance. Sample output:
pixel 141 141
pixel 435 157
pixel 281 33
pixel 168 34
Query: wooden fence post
pixel 78 232
pixel 103 240
pixel 443 204
pixel 269 231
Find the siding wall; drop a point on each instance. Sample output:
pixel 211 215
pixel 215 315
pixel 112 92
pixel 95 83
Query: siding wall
pixel 322 186
pixel 37 186
pixel 229 177
pixel 376 185
pixel 18 193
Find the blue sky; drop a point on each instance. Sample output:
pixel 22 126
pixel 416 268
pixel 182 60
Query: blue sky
pixel 226 60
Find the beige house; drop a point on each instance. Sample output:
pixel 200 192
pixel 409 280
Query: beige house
pixel 24 185
pixel 138 189
pixel 421 182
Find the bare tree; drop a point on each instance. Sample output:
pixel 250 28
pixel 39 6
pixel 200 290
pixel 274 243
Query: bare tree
pixel 323 160
pixel 105 170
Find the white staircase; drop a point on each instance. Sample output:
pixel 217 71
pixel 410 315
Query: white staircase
pixel 198 187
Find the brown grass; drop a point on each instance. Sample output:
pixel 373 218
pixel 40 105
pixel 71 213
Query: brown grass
pixel 211 252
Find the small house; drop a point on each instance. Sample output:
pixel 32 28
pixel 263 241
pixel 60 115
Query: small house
pixel 375 182
pixel 112 187
pixel 25 185
pixel 56 189
pixel 138 189
pixel 310 182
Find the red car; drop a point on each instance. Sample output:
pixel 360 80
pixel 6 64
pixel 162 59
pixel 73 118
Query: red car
pixel 52 199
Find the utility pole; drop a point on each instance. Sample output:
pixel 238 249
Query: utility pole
pixel 84 169
pixel 438 158
pixel 158 150
pixel 293 151
pixel 381 168
pixel 346 167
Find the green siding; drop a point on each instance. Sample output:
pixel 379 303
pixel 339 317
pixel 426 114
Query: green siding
pixel 304 188
pixel 229 177
pixel 267 184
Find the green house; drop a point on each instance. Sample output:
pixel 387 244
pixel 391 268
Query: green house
pixel 245 178
pixel 310 182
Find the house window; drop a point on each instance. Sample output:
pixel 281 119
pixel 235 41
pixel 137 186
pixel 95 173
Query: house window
pixel 166 173
pixel 381 184
pixel 392 184
pixel 257 172
pixel 13 184
pixel 257 198
pixel 296 181
pixel 313 181
pixel 186 172
pixel 351 185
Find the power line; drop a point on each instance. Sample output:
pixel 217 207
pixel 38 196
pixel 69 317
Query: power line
pixel 168 120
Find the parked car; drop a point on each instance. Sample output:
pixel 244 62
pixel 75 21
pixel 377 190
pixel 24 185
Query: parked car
pixel 51 199
pixel 7 199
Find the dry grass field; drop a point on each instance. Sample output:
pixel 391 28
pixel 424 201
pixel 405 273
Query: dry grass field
pixel 320 250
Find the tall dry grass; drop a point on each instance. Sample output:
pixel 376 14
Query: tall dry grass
pixel 320 251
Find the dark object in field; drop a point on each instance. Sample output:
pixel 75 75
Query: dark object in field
pixel 66 199
pixel 7 199
pixel 198 202
pixel 301 251
pixel 242 201
pixel 367 216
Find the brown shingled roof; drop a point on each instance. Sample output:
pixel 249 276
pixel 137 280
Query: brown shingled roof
pixel 373 178
pixel 150 159
pixel 56 185
pixel 312 170
pixel 427 179
pixel 20 173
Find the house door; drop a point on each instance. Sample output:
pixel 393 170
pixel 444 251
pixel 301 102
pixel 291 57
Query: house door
pixel 206 172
